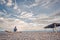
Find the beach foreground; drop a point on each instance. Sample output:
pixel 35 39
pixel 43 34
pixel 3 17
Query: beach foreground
pixel 29 35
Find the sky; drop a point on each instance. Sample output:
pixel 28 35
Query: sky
pixel 28 14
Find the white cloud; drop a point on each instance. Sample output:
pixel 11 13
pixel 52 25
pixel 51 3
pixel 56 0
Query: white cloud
pixel 42 15
pixel 49 3
pixel 26 15
pixel 9 3
pixel 19 10
pixel 32 5
pixel 37 1
pixel 5 11
pixel 32 18
pixel 15 5
pixel 56 13
pixel 48 19
pixel 44 3
pixel 1 18
pixel 56 16
pixel 9 24
pixel 32 26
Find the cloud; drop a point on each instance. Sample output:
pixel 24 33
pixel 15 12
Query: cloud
pixel 44 3
pixel 49 3
pixel 10 23
pixel 26 15
pixel 9 3
pixel 48 19
pixel 42 15
pixel 4 14
pixel 15 5
pixel 1 21
pixel 19 14
pixel 2 1
pixel 56 13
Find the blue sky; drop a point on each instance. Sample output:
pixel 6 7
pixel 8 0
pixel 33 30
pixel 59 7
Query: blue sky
pixel 28 14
